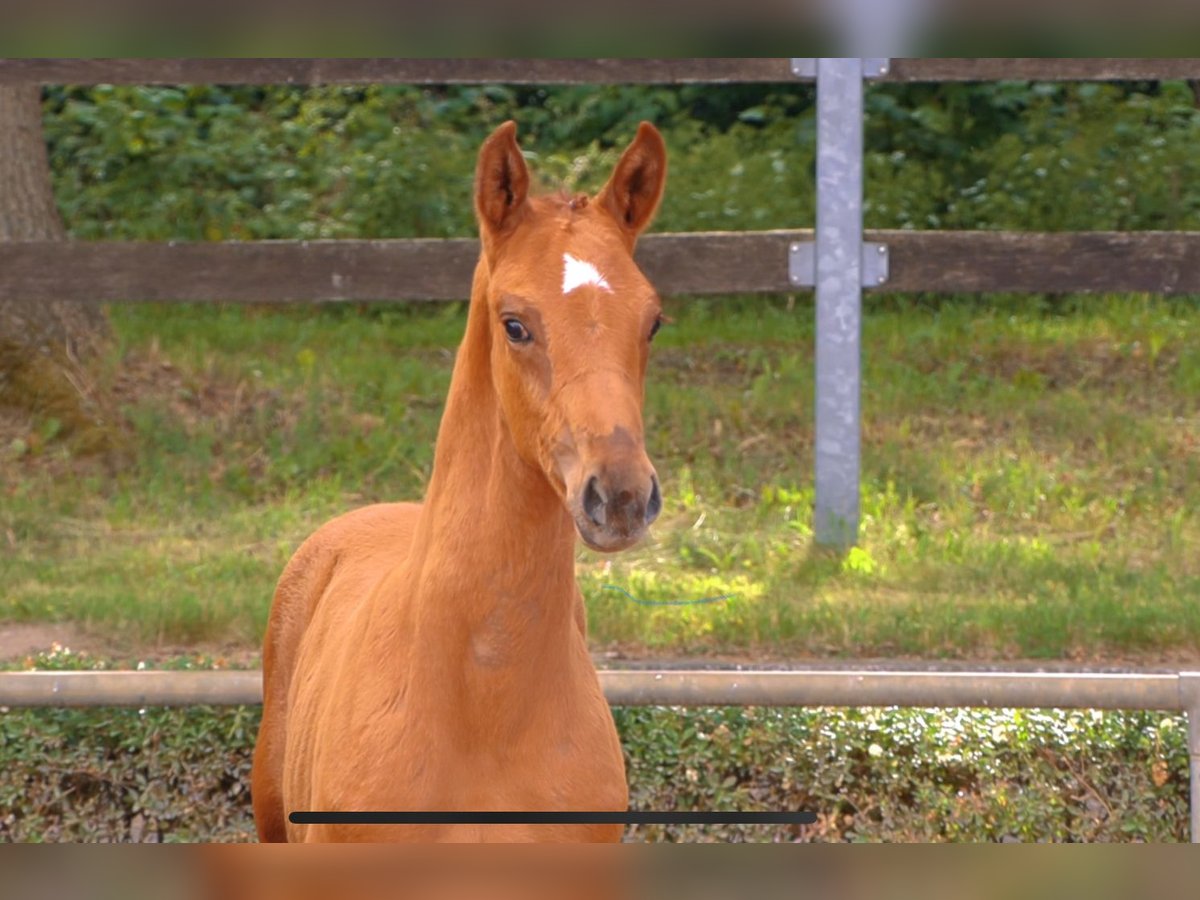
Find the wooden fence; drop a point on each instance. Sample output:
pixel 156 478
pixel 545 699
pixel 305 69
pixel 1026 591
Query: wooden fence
pixel 706 70
pixel 697 263
pixel 680 264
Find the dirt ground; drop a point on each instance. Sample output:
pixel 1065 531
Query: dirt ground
pixel 25 639
pixel 20 641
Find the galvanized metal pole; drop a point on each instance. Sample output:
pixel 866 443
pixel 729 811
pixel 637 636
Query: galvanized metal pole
pixel 669 687
pixel 839 300
pixel 1189 697
pixel 1193 715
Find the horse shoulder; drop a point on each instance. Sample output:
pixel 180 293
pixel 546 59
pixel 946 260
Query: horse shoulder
pixel 348 552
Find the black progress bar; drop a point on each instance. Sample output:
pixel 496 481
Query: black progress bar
pixel 500 817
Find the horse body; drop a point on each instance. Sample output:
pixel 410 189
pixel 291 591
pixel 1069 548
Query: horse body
pixel 433 656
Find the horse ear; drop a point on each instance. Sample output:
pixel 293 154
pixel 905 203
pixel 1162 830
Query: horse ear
pixel 501 179
pixel 636 185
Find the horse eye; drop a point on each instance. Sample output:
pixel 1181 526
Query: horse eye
pixel 516 332
pixel 654 328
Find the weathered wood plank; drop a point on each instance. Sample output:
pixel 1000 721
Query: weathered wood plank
pixel 338 270
pixel 565 71
pixel 240 272
pixel 394 71
pixel 699 263
pixel 1165 262
pixel 1042 69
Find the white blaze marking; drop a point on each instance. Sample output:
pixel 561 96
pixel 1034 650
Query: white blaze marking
pixel 577 273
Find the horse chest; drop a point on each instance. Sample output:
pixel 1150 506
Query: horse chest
pixel 416 753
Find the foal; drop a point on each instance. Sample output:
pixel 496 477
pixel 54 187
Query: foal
pixel 433 656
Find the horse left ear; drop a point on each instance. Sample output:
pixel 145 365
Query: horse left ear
pixel 501 179
pixel 636 186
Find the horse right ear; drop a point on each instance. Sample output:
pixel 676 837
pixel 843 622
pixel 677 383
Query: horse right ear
pixel 501 179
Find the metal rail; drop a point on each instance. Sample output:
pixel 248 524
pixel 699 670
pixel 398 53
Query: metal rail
pixel 1176 691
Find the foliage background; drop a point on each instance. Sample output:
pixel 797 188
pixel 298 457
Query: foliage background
pixel 212 162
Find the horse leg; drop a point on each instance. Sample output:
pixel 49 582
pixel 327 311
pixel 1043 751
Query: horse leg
pixel 266 790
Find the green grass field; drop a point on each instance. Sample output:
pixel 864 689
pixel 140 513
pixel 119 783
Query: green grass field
pixel 1030 479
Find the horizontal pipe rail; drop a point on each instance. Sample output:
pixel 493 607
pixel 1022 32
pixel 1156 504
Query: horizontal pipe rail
pixel 717 262
pixel 1081 690
pixel 884 688
pixel 129 688
pixel 568 71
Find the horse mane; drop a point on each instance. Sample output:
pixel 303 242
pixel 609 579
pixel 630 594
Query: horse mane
pixel 574 201
pixel 562 199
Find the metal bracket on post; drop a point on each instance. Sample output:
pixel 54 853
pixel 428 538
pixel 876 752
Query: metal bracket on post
pixel 806 67
pixel 802 264
pixel 1189 696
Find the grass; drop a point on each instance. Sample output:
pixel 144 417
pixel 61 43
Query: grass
pixel 1030 477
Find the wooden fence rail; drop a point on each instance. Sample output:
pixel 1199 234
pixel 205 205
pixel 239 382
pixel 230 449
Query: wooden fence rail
pixel 565 71
pixel 680 264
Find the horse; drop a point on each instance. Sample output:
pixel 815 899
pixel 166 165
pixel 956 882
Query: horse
pixel 433 656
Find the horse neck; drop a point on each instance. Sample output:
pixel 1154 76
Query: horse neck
pixel 492 565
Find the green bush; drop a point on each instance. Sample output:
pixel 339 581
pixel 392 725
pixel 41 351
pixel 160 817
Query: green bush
pixel 914 774
pixel 213 162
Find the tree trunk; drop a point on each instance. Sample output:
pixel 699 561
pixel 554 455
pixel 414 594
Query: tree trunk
pixel 43 346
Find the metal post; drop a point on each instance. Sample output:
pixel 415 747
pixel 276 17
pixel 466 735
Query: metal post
pixel 1189 695
pixel 1193 715
pixel 839 299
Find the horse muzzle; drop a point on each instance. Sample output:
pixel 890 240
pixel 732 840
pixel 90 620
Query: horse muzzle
pixel 613 509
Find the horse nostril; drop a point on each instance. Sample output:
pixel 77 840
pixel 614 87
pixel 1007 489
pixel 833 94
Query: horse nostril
pixel 654 504
pixel 594 502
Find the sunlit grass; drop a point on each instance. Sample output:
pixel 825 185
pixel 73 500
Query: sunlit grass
pixel 1031 471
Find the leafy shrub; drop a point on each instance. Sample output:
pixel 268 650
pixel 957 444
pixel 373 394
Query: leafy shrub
pixel 914 774
pixel 213 162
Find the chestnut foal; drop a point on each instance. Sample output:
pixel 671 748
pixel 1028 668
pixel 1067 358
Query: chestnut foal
pixel 433 656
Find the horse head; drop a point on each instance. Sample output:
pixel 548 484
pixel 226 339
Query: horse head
pixel 571 318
